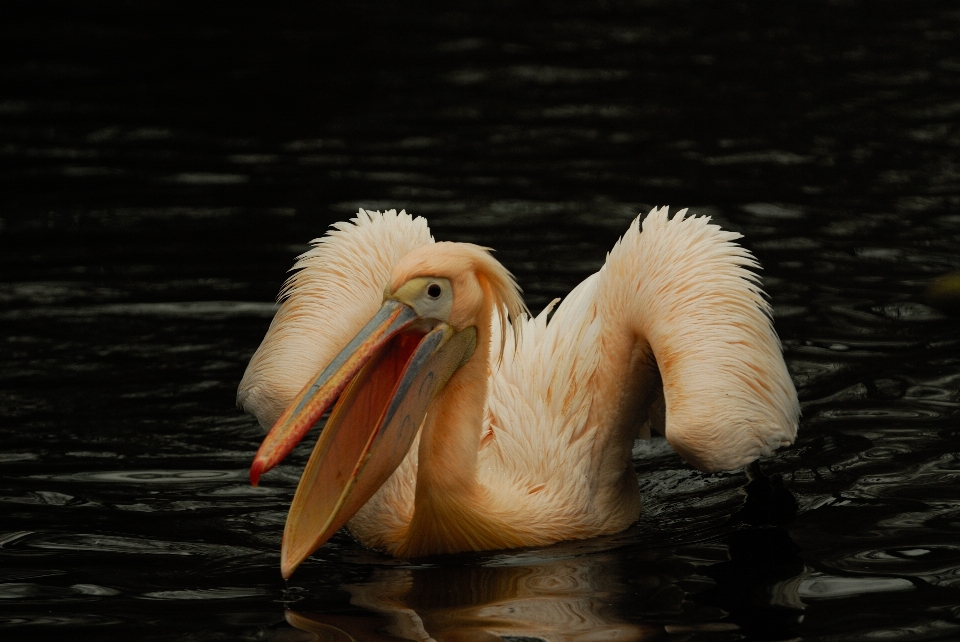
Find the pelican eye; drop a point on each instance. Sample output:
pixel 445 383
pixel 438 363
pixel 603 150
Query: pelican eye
pixel 434 291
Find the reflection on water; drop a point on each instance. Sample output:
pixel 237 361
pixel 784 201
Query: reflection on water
pixel 559 600
pixel 751 583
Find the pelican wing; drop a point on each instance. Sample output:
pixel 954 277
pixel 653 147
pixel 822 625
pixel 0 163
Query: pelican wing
pixel 684 293
pixel 675 323
pixel 337 286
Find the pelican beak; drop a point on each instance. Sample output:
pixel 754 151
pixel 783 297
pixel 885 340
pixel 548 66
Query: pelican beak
pixel 385 379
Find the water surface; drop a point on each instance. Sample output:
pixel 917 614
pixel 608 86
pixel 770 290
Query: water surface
pixel 161 165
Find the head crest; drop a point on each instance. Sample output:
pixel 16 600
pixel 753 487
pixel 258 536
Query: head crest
pixel 449 259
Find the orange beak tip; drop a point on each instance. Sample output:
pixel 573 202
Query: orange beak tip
pixel 256 469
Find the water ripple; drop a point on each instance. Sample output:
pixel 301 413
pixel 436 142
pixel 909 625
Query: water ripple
pixel 188 310
pixel 42 497
pixel 816 587
pixel 21 590
pixel 108 544
pixel 225 593
pixel 16 620
pixel 930 562
pixel 150 477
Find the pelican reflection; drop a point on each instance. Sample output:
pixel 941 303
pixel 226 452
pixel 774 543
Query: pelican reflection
pixel 566 600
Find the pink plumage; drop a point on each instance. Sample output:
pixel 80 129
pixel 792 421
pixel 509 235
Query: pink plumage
pixel 529 441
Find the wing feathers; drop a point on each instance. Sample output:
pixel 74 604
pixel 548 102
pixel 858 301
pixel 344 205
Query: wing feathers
pixel 336 287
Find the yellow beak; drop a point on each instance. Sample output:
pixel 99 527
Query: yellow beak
pixel 385 378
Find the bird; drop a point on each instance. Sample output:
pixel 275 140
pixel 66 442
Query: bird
pixel 462 422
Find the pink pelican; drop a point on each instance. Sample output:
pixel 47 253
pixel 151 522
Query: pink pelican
pixel 462 423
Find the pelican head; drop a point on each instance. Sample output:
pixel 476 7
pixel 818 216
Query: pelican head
pixel 436 309
pixel 477 280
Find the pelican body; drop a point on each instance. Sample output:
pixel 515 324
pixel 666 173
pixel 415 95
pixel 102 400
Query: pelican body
pixel 461 422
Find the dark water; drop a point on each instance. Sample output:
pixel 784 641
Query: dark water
pixel 161 165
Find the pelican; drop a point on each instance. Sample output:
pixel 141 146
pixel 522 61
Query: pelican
pixel 461 423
